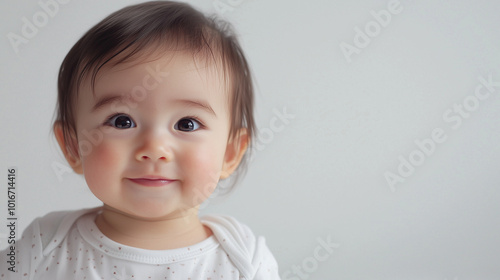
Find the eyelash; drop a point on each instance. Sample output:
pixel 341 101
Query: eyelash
pixel 195 118
pixel 192 117
pixel 111 117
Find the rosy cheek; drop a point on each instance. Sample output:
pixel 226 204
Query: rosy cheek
pixel 97 165
pixel 206 160
pixel 205 172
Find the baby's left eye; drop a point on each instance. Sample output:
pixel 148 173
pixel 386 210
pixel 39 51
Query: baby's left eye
pixel 187 124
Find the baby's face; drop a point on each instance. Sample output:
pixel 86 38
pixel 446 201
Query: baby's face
pixel 152 141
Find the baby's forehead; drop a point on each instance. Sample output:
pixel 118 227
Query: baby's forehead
pixel 181 75
pixel 161 66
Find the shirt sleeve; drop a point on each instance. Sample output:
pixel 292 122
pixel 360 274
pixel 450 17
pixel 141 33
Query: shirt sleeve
pixel 267 266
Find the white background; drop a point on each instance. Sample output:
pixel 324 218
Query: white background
pixel 321 175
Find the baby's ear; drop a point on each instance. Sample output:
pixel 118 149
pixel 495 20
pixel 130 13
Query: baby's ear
pixel 234 153
pixel 72 157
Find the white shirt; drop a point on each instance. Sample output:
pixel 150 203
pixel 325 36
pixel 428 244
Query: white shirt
pixel 68 245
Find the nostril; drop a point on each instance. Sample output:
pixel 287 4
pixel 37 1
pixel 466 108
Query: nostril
pixel 144 157
pixel 163 158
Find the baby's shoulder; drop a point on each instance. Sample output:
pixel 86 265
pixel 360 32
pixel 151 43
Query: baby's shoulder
pixel 247 251
pixel 227 225
pixel 52 227
pixel 47 231
pixel 40 237
pixel 54 224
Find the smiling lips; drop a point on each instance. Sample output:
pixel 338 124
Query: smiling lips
pixel 152 181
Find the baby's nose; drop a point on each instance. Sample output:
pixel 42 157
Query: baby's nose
pixel 154 148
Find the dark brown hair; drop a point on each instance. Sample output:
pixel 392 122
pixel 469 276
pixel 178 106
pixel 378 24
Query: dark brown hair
pixel 123 35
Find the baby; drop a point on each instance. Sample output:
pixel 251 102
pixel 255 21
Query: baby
pixel 155 106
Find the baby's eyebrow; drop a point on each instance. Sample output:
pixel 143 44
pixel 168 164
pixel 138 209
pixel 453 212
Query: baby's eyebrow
pixel 198 104
pixel 106 100
pixel 103 101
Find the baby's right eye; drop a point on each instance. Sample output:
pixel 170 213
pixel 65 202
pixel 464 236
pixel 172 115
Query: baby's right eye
pixel 120 121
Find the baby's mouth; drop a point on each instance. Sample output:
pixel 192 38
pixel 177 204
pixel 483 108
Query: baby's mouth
pixel 152 181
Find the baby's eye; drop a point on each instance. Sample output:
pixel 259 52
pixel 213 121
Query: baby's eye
pixel 121 121
pixel 187 124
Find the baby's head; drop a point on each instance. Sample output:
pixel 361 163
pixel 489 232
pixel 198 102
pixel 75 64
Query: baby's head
pixel 155 105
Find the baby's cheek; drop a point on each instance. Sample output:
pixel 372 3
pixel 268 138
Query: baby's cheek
pixel 204 175
pixel 101 164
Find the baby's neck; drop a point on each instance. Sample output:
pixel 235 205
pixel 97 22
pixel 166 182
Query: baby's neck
pixel 159 234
